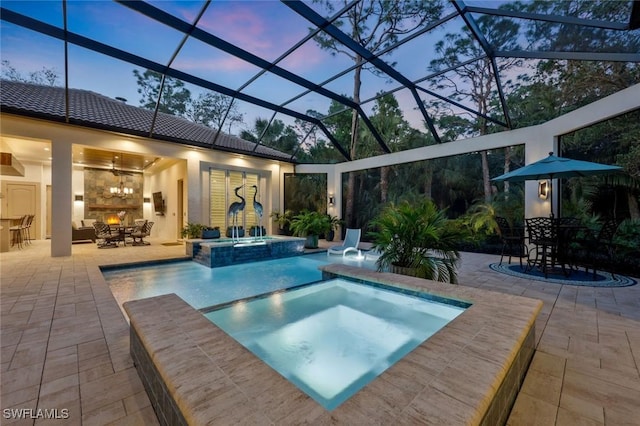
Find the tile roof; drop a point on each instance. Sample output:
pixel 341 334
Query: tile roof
pixel 94 110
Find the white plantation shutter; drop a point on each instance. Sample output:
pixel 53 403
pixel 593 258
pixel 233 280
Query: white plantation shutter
pixel 251 218
pixel 236 179
pixel 218 197
pixel 222 195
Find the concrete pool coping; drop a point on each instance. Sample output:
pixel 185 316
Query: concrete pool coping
pixel 467 373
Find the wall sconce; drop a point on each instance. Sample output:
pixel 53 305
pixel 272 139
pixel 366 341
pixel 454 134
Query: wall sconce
pixel 146 200
pixel 543 189
pixel 331 199
pixel 79 198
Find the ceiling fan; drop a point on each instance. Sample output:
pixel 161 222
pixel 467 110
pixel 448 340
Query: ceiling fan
pixel 121 171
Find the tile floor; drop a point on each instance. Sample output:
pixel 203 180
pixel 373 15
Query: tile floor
pixel 65 344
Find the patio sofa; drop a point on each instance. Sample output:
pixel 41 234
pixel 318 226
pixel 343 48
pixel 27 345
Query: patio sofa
pixel 83 233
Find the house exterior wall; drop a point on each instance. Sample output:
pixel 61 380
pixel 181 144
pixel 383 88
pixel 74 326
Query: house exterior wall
pixel 189 164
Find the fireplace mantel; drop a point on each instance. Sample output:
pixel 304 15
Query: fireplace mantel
pixel 113 207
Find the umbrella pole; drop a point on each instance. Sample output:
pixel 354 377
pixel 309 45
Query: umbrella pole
pixel 552 195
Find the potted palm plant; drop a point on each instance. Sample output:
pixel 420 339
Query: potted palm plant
pixel 334 224
pixel 192 230
pixel 417 240
pixel 310 225
pixel 198 230
pixel 283 220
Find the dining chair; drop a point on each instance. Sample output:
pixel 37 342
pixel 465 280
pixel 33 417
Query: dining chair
pixel 140 232
pixel 543 235
pixel 513 240
pixel 597 251
pixel 568 229
pixel 104 237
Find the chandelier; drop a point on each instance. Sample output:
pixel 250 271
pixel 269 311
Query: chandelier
pixel 121 191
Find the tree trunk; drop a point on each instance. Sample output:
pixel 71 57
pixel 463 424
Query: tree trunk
pixel 384 183
pixel 634 210
pixel 354 143
pixel 485 176
pixel 507 169
pixel 428 181
pixel 351 186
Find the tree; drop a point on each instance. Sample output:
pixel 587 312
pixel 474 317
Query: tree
pixel 44 77
pixel 209 108
pixel 313 148
pixel 213 110
pixel 275 135
pixel 388 120
pixel 475 81
pixel 374 25
pixel 175 97
pixel 582 82
pixel 560 86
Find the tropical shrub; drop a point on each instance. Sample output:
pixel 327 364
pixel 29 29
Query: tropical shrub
pixel 310 224
pixel 417 239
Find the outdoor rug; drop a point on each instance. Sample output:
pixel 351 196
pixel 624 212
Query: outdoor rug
pixel 602 279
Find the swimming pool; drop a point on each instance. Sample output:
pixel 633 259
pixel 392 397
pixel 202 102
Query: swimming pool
pixel 201 286
pixel 332 338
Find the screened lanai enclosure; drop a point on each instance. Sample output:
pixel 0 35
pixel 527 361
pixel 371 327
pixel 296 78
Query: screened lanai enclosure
pixel 334 82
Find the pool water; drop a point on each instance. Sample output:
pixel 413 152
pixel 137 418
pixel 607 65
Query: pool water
pixel 332 338
pixel 201 286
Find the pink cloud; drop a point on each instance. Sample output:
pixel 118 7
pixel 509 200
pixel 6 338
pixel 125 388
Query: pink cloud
pixel 260 28
pixel 228 64
pixel 265 29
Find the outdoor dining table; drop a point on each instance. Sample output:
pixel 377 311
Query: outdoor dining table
pixel 123 231
pixel 552 238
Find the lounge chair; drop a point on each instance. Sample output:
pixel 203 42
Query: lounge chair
pixel 350 243
pixel 373 254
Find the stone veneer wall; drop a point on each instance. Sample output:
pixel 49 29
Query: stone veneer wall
pixel 99 207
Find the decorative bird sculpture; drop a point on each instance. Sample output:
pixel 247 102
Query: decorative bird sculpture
pixel 257 207
pixel 235 208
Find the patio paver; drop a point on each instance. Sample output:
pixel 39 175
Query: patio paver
pixel 65 343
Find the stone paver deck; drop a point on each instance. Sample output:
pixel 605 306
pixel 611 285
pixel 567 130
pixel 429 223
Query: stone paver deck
pixel 65 343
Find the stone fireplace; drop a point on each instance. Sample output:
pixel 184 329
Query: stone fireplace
pixel 112 219
pixel 99 204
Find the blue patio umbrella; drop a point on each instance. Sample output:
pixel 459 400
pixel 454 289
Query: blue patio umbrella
pixel 553 167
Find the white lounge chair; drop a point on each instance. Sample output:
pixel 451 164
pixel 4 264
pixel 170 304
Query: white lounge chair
pixel 350 243
pixel 374 254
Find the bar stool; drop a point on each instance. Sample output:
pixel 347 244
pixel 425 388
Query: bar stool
pixel 27 229
pixel 17 232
